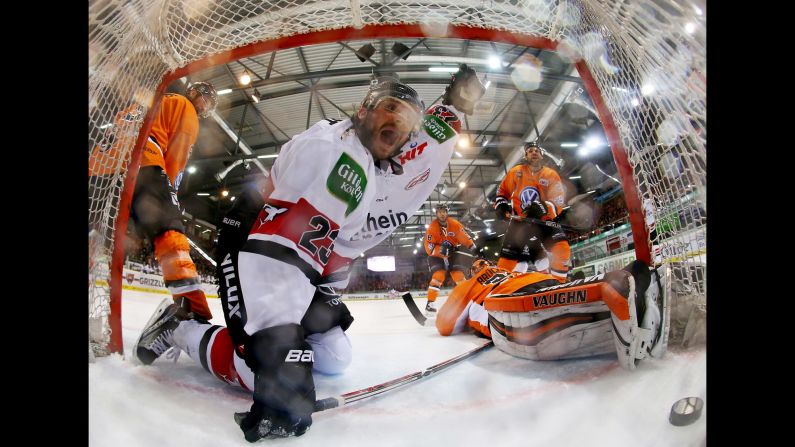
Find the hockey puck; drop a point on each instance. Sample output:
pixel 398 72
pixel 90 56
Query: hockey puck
pixel 686 411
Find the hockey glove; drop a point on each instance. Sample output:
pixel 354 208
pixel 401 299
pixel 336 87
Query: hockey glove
pixel 503 211
pixel 325 312
pixel 446 248
pixel 535 210
pixel 284 391
pixel 262 422
pixel 464 91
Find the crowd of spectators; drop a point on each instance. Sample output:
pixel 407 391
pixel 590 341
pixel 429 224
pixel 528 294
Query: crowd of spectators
pixel 369 281
pixel 612 212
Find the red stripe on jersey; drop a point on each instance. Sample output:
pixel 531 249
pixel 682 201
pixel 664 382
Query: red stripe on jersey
pixel 222 363
pixel 309 229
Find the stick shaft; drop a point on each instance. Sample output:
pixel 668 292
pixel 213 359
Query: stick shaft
pixel 364 393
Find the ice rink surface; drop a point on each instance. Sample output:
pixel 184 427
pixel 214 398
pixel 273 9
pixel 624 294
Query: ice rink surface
pixel 490 399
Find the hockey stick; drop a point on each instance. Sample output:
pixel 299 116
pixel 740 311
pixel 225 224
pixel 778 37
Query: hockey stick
pixel 547 223
pixel 355 396
pixel 415 311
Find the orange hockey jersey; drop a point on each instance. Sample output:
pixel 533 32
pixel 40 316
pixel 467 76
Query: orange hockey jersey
pixel 173 133
pixel 453 233
pixel 520 187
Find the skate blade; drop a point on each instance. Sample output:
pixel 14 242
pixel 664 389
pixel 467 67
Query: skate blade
pixel 155 315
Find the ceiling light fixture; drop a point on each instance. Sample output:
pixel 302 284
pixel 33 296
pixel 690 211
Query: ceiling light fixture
pixel 398 49
pixel 365 52
pixel 444 69
pixel 245 78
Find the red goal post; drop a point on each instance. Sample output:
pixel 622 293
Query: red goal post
pixel 642 52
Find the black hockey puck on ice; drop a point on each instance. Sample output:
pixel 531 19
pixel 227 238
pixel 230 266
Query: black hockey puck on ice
pixel 686 411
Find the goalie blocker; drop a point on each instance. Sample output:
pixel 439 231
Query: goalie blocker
pixel 626 311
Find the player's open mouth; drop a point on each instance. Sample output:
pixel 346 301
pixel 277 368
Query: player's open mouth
pixel 389 136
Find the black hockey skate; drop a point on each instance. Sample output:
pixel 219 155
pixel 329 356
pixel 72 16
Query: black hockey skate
pixel 156 337
pixel 430 309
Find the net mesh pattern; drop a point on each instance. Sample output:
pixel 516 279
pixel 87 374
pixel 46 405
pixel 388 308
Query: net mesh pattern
pixel 649 67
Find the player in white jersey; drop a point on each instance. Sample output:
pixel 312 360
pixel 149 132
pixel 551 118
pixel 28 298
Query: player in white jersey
pixel 290 320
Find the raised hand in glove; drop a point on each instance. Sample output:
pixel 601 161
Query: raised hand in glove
pixel 464 91
pixel 446 248
pixel 535 210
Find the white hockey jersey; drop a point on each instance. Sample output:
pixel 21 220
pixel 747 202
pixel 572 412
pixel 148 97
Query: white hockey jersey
pixel 398 195
pixel 323 185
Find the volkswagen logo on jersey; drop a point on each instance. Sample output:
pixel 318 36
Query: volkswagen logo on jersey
pixel 528 195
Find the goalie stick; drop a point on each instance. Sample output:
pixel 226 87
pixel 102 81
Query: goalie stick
pixel 355 396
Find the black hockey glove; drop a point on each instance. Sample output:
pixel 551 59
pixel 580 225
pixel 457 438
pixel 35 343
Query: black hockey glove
pixel 446 248
pixel 262 422
pixel 284 391
pixel 503 211
pixel 464 91
pixel 535 210
pixel 325 312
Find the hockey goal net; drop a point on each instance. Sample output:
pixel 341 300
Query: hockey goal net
pixel 643 64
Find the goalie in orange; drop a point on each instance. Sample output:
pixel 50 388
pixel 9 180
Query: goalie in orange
pixel 533 316
pixel 155 208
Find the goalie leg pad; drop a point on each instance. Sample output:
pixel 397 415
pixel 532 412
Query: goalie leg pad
pixel 639 313
pixel 554 334
pixel 552 323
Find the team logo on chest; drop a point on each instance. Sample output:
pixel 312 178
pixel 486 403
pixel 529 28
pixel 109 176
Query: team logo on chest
pixel 529 194
pixel 447 116
pixel 270 213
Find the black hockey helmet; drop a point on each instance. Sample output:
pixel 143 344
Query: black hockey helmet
pixel 532 144
pixel 207 91
pixel 442 206
pixel 388 87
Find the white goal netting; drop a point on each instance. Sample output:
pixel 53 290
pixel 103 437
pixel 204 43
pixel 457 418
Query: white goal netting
pixel 644 63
